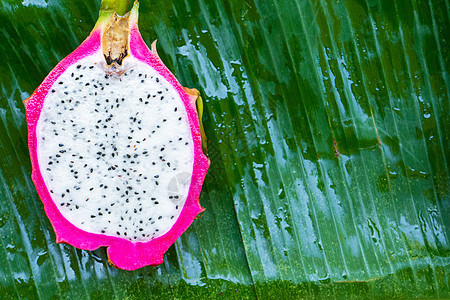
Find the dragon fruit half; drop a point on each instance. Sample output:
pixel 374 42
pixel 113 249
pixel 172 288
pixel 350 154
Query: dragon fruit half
pixel 115 144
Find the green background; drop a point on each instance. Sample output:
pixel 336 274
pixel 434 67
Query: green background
pixel 328 132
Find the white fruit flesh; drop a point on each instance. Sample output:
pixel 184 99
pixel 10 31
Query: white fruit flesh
pixel 116 152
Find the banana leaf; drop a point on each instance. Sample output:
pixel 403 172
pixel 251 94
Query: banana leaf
pixel 328 134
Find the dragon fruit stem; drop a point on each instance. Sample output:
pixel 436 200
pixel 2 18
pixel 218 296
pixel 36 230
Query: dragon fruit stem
pixel 119 6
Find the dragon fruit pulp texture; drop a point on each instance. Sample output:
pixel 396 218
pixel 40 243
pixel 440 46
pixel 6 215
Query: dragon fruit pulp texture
pixel 116 148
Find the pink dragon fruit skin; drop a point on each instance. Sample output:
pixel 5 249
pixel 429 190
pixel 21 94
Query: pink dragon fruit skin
pixel 122 253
